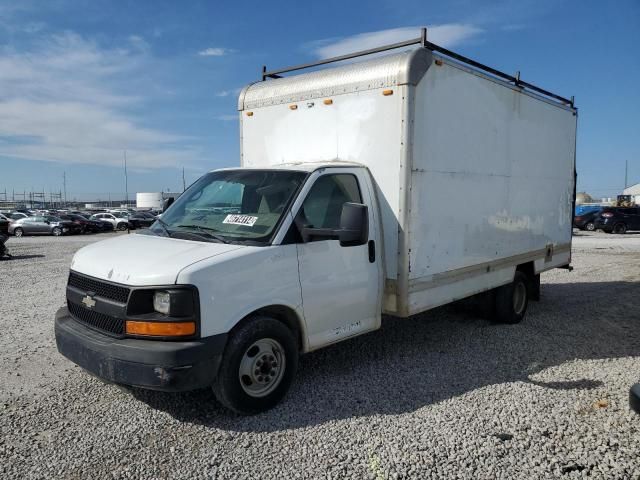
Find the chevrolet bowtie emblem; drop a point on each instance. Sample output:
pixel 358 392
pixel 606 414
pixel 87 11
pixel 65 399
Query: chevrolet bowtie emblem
pixel 89 302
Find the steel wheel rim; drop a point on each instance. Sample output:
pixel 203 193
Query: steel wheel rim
pixel 262 367
pixel 519 297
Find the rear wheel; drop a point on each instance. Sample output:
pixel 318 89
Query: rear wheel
pixel 620 228
pixel 18 232
pixel 511 300
pixel 590 226
pixel 257 367
pixel 56 231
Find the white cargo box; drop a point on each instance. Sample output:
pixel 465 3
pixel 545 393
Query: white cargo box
pixel 474 175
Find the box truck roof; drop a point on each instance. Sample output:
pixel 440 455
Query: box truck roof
pixel 409 68
pixel 302 166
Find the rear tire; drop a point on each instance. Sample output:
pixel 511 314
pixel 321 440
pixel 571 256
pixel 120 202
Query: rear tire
pixel 511 300
pixel 257 367
pixel 620 228
pixel 18 232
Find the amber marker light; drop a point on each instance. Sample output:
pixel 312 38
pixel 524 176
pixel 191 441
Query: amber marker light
pixel 386 93
pixel 328 101
pixel 293 107
pixel 161 329
pixel 249 114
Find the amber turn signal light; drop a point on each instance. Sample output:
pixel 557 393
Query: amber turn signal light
pixel 386 93
pixel 161 329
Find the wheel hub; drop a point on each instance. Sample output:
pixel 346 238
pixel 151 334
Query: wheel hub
pixel 262 367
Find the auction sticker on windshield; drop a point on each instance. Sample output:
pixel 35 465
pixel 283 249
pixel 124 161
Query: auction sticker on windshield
pixel 246 220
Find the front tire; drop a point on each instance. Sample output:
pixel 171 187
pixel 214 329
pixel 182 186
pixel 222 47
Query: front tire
pixel 257 367
pixel 122 227
pixel 18 232
pixel 56 231
pixel 590 227
pixel 620 228
pixel 511 300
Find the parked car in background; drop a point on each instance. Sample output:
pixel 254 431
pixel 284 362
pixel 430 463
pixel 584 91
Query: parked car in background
pixel 6 218
pixel 17 215
pixel 141 220
pixel 118 220
pixel 618 219
pixel 86 225
pixel 586 220
pixel 39 225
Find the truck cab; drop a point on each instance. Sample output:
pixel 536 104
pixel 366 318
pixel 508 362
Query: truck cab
pixel 236 279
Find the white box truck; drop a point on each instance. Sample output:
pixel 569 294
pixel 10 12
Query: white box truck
pixel 393 185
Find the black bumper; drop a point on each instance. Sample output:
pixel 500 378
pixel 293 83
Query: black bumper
pixel 152 364
pixel 634 398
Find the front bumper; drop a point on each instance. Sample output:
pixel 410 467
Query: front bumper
pixel 634 398
pixel 152 364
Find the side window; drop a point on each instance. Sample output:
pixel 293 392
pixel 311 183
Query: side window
pixel 323 206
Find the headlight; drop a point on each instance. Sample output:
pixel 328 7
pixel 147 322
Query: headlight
pixel 162 302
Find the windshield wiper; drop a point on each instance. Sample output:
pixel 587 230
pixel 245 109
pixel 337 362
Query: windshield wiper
pixel 202 231
pixel 164 226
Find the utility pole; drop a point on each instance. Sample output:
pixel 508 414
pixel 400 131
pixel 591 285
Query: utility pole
pixel 626 172
pixel 126 185
pixel 64 184
pixel 183 184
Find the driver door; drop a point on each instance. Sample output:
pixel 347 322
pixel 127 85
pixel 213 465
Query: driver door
pixel 341 285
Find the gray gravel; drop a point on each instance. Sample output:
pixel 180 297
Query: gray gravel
pixel 442 395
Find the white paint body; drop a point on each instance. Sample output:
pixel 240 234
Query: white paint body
pixel 465 178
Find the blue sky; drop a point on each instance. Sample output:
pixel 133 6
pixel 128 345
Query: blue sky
pixel 80 81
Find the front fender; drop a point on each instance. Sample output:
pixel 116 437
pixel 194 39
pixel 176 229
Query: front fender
pixel 243 281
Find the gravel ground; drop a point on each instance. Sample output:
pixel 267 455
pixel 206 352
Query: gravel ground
pixel 441 395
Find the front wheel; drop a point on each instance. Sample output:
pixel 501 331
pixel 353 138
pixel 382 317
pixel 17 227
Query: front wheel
pixel 257 367
pixel 56 232
pixel 18 232
pixel 511 300
pixel 122 227
pixel 620 228
pixel 590 227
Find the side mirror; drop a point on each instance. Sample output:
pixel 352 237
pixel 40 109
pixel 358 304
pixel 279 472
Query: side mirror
pixel 353 229
pixel 167 203
pixel 354 225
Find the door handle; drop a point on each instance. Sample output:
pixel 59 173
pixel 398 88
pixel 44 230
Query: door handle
pixel 372 251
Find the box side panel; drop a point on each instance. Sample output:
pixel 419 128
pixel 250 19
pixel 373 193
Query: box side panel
pixel 363 127
pixel 492 177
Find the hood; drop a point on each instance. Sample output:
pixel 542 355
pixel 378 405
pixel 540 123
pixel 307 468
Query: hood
pixel 140 260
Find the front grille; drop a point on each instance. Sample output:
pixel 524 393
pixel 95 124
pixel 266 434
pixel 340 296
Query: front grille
pixel 96 319
pixel 101 289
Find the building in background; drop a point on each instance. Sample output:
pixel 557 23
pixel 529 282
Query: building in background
pixel 634 191
pixel 153 200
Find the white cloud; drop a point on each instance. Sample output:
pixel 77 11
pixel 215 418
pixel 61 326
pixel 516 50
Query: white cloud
pixel 447 35
pixel 64 100
pixel 226 93
pixel 214 52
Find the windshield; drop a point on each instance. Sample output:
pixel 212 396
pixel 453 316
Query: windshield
pixel 232 205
